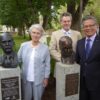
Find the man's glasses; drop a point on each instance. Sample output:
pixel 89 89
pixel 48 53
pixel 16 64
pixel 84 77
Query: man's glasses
pixel 88 26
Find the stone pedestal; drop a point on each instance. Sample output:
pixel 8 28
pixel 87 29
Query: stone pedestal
pixel 10 84
pixel 67 81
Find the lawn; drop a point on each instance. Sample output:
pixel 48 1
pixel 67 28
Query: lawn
pixel 18 40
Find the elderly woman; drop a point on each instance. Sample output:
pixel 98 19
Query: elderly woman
pixel 35 59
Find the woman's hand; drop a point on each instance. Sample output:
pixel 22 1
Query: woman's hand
pixel 45 82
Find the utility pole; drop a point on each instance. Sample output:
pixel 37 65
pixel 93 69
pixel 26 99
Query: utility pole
pixel 81 8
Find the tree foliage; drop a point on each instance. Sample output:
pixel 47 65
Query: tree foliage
pixel 93 9
pixel 23 13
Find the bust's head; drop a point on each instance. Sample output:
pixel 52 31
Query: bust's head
pixel 6 43
pixel 65 44
pixel 67 54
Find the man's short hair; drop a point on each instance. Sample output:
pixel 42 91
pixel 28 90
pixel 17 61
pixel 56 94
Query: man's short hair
pixel 65 14
pixel 89 17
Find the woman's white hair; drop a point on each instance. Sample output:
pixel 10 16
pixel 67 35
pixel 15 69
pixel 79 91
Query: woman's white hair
pixel 36 26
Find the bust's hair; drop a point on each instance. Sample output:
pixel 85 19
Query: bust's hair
pixel 67 53
pixel 65 39
pixel 36 26
pixel 5 36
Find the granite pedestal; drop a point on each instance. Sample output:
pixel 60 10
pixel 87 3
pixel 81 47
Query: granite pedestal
pixel 10 84
pixel 67 81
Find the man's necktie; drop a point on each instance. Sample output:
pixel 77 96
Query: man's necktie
pixel 67 33
pixel 87 49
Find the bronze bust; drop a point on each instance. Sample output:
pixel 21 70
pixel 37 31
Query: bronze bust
pixel 9 58
pixel 67 53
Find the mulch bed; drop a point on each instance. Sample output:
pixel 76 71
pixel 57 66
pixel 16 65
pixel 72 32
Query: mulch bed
pixel 50 91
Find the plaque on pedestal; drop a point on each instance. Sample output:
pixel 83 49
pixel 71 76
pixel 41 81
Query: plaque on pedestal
pixel 71 84
pixel 10 86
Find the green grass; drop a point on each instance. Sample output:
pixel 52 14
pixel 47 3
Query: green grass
pixel 53 62
pixel 18 40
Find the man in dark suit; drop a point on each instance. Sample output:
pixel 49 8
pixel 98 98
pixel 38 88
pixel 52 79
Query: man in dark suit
pixel 88 56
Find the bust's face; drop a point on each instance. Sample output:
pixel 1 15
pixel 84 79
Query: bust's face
pixel 6 43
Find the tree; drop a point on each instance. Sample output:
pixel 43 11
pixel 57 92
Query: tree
pixel 73 6
pixel 11 13
pixel 93 9
pixel 18 13
pixel 22 13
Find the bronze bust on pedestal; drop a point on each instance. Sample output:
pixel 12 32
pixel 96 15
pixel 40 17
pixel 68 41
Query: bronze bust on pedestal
pixel 67 54
pixel 9 58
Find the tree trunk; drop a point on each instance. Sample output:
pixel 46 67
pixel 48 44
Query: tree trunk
pixel 76 13
pixel 47 14
pixel 45 21
pixel 20 31
pixel 24 32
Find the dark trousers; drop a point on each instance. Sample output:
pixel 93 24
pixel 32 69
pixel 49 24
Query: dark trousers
pixel 86 94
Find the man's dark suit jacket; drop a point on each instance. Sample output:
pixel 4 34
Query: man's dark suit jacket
pixel 90 67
